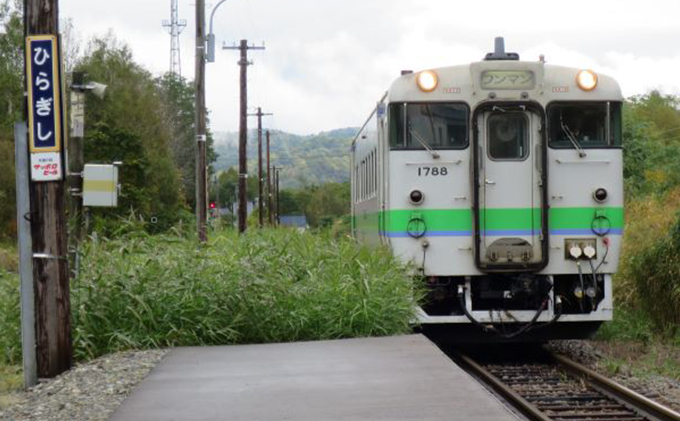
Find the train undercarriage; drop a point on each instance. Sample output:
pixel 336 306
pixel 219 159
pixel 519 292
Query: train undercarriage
pixel 516 307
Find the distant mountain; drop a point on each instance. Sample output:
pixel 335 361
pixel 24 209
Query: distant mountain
pixel 306 160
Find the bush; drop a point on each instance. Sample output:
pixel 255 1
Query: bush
pixel 655 272
pixel 145 291
pixel 10 321
pixel 647 220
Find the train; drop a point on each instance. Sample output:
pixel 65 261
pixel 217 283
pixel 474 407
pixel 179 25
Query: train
pixel 499 183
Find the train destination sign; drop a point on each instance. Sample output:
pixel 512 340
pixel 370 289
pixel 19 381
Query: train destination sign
pixel 508 79
pixel 44 107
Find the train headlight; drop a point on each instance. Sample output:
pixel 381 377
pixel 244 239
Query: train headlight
pixel 427 80
pixel 416 197
pixel 579 293
pixel 586 80
pixel 600 195
pixel 591 292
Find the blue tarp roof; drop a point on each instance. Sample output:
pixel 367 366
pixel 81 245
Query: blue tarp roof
pixel 298 221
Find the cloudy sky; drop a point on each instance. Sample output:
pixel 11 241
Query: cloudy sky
pixel 327 62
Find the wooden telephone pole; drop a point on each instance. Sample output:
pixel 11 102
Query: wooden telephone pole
pixel 269 186
pixel 260 178
pixel 276 194
pixel 201 137
pixel 54 352
pixel 243 133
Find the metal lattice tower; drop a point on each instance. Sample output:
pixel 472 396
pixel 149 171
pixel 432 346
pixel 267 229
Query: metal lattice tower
pixel 175 26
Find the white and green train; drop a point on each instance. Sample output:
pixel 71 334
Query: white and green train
pixel 501 183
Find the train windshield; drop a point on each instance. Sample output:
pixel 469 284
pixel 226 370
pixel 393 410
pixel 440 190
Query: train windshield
pixel 428 126
pixel 585 125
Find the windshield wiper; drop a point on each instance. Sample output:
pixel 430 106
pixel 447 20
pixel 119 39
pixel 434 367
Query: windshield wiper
pixel 422 141
pixel 567 131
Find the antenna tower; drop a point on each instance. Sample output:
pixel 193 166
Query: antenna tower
pixel 175 26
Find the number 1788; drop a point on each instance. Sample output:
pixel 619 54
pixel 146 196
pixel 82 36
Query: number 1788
pixel 432 171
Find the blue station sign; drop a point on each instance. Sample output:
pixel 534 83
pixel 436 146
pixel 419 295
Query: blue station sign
pixel 44 88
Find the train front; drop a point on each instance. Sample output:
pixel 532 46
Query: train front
pixel 504 190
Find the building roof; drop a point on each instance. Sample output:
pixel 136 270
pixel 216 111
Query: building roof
pixel 297 221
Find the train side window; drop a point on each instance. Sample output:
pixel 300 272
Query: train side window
pixel 615 124
pixel 372 172
pixel 588 124
pixel 396 116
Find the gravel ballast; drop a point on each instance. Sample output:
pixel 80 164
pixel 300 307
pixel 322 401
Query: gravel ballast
pixel 661 389
pixel 88 392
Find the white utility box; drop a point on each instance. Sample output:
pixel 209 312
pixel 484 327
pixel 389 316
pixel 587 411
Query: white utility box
pixel 100 185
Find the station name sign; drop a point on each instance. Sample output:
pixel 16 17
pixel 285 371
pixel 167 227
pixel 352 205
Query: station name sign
pixel 44 107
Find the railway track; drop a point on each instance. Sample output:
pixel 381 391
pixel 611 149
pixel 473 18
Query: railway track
pixel 555 388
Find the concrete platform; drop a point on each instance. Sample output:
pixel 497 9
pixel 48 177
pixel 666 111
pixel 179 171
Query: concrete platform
pixel 394 378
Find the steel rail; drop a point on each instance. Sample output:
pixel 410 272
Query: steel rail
pixel 505 391
pixel 619 392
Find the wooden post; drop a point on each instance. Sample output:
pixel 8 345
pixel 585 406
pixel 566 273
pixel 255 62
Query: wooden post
pixel 277 197
pixel 201 137
pixel 269 185
pixel 243 134
pixel 260 179
pixel 260 193
pixel 54 352
pixel 76 163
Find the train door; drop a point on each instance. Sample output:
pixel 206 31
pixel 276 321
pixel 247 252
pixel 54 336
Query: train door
pixel 510 221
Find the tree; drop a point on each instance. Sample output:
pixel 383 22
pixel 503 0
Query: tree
pixel 128 125
pixel 11 110
pixel 179 116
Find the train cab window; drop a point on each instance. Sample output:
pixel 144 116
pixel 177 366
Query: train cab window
pixel 508 137
pixel 584 125
pixel 428 125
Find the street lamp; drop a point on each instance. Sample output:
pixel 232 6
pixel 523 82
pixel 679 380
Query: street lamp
pixel 210 56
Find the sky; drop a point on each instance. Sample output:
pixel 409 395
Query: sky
pixel 327 62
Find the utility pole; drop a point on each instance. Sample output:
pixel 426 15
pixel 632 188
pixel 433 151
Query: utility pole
pixel 260 178
pixel 277 196
pixel 243 132
pixel 54 351
pixel 76 163
pixel 201 137
pixel 269 186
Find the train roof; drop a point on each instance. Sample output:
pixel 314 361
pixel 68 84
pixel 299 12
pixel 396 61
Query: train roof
pixel 485 80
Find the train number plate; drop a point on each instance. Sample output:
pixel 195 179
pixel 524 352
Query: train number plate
pixel 432 171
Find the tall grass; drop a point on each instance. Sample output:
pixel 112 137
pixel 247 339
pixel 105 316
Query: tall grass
pixel 648 219
pixel 144 291
pixel 10 327
pixel 648 283
pixel 655 270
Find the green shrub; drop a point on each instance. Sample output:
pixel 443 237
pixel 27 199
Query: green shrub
pixel 629 324
pixel 144 291
pixel 655 273
pixel 10 324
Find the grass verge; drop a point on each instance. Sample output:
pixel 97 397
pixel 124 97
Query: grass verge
pixel 631 345
pixel 141 291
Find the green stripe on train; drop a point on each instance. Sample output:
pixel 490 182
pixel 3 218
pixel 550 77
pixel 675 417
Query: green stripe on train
pixel 501 219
